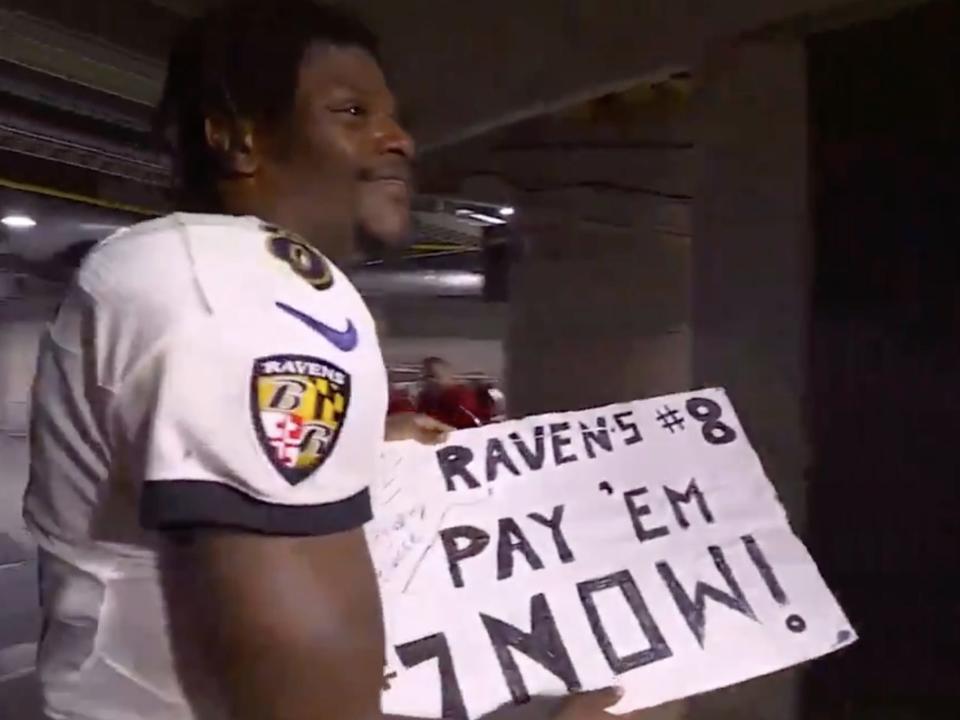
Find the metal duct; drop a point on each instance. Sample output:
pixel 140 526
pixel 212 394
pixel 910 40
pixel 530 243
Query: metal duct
pixel 419 283
pixel 37 139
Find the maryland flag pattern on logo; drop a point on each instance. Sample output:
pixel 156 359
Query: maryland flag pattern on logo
pixel 299 404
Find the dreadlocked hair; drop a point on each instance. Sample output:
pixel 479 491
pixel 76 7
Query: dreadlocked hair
pixel 240 61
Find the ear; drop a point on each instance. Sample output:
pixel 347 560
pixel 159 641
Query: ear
pixel 233 142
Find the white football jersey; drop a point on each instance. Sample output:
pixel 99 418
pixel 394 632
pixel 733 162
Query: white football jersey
pixel 203 371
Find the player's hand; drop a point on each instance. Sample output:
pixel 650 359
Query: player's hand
pixel 590 705
pixel 413 426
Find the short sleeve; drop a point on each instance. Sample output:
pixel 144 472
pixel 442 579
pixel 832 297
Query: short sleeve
pixel 230 423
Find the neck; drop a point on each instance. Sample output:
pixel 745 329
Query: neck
pixel 328 233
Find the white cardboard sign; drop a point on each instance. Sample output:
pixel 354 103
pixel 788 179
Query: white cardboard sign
pixel 639 544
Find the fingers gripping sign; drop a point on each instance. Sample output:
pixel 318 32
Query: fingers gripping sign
pixel 413 426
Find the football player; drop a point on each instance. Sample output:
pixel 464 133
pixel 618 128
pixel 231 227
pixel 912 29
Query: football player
pixel 210 400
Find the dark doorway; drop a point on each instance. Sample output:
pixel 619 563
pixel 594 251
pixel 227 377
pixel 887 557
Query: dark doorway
pixel 884 508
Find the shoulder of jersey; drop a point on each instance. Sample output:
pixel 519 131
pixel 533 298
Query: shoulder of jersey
pixel 155 258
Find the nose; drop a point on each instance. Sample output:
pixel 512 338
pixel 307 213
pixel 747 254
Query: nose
pixel 392 137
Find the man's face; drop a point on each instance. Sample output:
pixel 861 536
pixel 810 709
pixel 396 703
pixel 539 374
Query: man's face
pixel 347 161
pixel 439 374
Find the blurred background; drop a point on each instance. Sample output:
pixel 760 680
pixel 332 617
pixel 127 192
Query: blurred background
pixel 620 198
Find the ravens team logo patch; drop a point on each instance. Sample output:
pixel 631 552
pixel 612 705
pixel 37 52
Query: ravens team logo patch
pixel 299 404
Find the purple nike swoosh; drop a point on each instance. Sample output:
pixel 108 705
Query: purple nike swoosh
pixel 344 340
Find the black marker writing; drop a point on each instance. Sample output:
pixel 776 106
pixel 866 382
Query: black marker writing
pixel 533 458
pixel 454 461
pixel 638 512
pixel 766 572
pixel 559 439
pixel 694 609
pixel 463 542
pixel 543 644
pixel 496 457
pixel 692 493
pixel 631 428
pixel 436 647
pixel 624 582
pixel 563 549
pixel 477 541
pixel 512 540
pixel 594 438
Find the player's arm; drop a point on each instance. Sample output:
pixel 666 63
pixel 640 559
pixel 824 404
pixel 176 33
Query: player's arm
pixel 276 627
pixel 271 595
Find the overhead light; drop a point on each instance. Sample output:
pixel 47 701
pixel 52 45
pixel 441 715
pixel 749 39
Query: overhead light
pixel 19 222
pixel 507 211
pixel 487 218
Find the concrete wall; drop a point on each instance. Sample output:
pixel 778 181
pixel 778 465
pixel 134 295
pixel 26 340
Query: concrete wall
pixel 597 316
pixel 752 253
pixel 664 253
pixel 463 68
pixel 494 63
pixel 465 331
pixel 19 616
pixel 19 342
pixel 751 283
pixel 600 295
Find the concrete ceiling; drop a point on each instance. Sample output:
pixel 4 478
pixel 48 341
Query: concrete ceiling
pixel 90 71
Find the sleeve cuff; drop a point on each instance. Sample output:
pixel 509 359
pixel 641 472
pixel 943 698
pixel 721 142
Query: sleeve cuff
pixel 192 504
